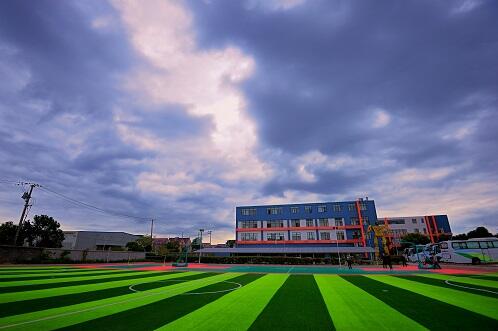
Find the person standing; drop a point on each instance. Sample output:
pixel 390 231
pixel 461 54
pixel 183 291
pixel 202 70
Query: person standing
pixel 389 262
pixel 349 260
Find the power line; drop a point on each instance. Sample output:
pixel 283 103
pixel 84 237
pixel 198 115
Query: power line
pixel 91 207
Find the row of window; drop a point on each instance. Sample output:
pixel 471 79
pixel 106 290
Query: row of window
pixel 307 209
pixel 277 236
pixel 297 223
pixel 471 244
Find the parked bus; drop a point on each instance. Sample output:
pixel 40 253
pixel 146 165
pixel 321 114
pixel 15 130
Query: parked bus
pixel 475 251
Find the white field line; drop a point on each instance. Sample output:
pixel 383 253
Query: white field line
pixel 93 308
pixel 289 271
pixel 470 288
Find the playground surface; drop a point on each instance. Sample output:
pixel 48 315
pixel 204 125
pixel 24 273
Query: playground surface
pixel 149 296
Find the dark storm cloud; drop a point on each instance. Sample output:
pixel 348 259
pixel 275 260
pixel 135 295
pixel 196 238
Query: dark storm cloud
pixel 61 81
pixel 324 67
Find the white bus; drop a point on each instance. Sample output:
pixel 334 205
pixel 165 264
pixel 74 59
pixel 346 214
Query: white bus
pixel 475 251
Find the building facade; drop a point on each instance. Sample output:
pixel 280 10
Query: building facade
pixel 96 240
pixel 312 225
pixel 433 226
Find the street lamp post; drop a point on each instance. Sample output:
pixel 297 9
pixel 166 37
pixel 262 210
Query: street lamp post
pixel 200 245
pixel 337 245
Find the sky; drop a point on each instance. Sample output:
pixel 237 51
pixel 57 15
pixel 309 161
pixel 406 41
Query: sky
pixel 182 110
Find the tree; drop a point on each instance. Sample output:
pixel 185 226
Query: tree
pixel 45 232
pixel 461 236
pixel 443 237
pixel 173 246
pixel 416 238
pixel 230 243
pixel 7 233
pixel 479 232
pixel 134 246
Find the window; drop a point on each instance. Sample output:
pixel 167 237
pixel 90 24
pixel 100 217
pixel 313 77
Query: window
pixel 495 244
pixel 295 223
pixel 275 236
pixel 274 211
pixel 484 244
pixel 248 236
pixel 396 221
pixel 365 219
pixel 355 221
pixel 294 210
pixel 363 206
pixel 275 224
pixel 414 220
pixel 248 224
pixel 308 209
pixel 311 236
pixel 356 234
pixel 323 222
pixel 339 222
pixel 459 245
pixel 417 231
pixel 472 244
pixel 422 221
pixel 425 230
pixel 310 222
pixel 325 235
pixel 337 208
pixel 322 209
pixel 351 207
pixel 296 235
pixel 248 211
pixel 340 235
pixel 444 245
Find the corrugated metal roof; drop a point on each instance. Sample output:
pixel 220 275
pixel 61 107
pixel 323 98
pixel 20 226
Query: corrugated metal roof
pixel 290 250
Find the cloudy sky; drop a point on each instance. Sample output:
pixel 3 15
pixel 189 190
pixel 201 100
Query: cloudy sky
pixel 182 110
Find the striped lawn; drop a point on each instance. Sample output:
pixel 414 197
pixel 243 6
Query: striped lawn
pixel 66 316
pixel 234 311
pixel 27 306
pixel 352 308
pixel 159 313
pixel 32 277
pixel 476 303
pixel 466 280
pixel 409 301
pixel 73 299
pixel 50 292
pixel 297 305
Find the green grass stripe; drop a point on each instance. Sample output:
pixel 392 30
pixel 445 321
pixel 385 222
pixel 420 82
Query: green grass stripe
pixel 27 306
pixel 297 305
pixel 50 319
pixel 476 303
pixel 352 308
pixel 466 281
pixel 239 309
pixel 170 309
pixel 44 271
pixel 487 277
pixel 50 292
pixel 54 283
pixel 432 314
pixel 474 289
pixel 31 277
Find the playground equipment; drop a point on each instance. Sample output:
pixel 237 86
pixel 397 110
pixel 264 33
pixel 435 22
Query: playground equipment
pixel 380 232
pixel 182 259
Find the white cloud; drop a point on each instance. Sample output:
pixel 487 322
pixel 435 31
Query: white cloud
pixel 381 118
pixel 273 5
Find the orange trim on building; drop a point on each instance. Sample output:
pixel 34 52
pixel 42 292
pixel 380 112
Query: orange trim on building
pixel 436 230
pixel 428 226
pixel 302 228
pixel 358 209
pixel 272 242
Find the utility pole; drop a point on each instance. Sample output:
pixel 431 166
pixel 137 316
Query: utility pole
pixel 209 233
pixel 201 231
pixel 26 196
pixel 151 232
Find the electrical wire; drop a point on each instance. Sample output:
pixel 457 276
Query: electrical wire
pixel 89 206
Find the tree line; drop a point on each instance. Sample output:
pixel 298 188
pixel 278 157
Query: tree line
pixel 42 231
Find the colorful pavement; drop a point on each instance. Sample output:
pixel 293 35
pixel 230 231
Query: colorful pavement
pixel 138 297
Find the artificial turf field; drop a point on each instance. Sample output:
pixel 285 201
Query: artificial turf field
pixel 126 298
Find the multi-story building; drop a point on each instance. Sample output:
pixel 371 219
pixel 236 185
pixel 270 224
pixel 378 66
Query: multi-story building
pixel 432 226
pixel 326 224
